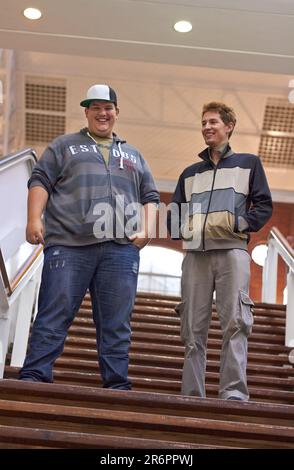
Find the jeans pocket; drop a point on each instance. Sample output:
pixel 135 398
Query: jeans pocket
pixel 246 317
pixel 131 243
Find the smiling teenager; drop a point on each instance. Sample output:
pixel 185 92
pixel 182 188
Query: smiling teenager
pixel 80 177
pixel 228 197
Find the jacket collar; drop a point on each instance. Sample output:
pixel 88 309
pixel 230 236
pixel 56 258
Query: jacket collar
pixel 115 137
pixel 205 154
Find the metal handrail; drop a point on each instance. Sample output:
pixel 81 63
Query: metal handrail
pixel 25 267
pixel 14 158
pixel 5 278
pixel 283 247
pixel 278 245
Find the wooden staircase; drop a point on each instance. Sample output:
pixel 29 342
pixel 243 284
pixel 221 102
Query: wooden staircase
pixel 75 412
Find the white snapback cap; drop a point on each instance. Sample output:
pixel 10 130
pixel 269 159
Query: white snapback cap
pixel 101 93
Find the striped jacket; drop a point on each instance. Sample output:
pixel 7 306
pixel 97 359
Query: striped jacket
pixel 81 187
pixel 219 205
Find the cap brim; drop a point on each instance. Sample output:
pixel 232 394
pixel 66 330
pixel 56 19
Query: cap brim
pixel 86 103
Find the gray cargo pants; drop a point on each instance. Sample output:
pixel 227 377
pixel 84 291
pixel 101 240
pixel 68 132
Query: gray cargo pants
pixel 226 272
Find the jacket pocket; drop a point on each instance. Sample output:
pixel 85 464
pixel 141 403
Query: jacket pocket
pixel 241 224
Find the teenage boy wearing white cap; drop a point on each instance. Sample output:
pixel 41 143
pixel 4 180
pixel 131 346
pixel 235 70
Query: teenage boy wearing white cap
pixel 80 178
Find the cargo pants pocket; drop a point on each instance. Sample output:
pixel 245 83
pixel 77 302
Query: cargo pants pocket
pixel 246 317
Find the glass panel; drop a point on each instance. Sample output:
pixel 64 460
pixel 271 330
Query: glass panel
pixel 13 207
pixel 159 284
pixel 161 260
pixel 160 271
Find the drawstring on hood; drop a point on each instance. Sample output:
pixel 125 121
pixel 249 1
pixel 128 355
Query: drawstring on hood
pixel 121 160
pixel 91 137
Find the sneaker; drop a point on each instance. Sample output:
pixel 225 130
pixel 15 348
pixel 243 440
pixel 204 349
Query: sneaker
pixel 235 398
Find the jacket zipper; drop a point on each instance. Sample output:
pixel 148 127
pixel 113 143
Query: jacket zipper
pixel 106 166
pixel 206 215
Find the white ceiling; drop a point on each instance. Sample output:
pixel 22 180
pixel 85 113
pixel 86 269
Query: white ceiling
pixel 234 34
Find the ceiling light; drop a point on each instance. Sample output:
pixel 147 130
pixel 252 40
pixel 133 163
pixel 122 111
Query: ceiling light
pixel 183 26
pixel 32 13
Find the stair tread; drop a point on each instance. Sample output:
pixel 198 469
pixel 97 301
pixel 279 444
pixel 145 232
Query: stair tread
pixel 75 410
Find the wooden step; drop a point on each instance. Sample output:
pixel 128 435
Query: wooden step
pixel 68 374
pixel 141 401
pixel 149 353
pixel 139 339
pixel 185 420
pixel 77 411
pixel 27 437
pixel 276 327
pixel 169 316
pixel 261 336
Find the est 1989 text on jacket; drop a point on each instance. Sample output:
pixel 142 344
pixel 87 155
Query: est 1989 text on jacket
pixel 74 173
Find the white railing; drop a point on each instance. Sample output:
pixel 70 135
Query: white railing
pixel 278 245
pixel 20 264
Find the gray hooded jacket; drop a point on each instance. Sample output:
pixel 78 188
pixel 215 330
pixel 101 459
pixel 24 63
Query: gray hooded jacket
pixel 90 201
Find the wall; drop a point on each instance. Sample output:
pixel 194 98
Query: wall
pixel 160 105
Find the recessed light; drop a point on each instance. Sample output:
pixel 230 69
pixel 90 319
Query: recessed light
pixel 32 13
pixel 183 26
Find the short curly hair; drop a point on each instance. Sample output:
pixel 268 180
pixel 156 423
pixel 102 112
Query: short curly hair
pixel 226 113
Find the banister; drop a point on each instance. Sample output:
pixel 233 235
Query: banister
pixel 25 267
pixel 4 275
pixel 278 245
pixel 283 246
pixel 16 157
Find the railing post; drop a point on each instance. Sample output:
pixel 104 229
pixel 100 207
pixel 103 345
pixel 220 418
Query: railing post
pixel 4 336
pixel 4 326
pixel 270 275
pixel 26 309
pixel 289 341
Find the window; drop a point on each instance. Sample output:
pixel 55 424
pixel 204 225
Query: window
pixel 160 271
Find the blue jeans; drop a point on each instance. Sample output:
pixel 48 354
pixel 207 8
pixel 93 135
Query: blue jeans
pixel 110 271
